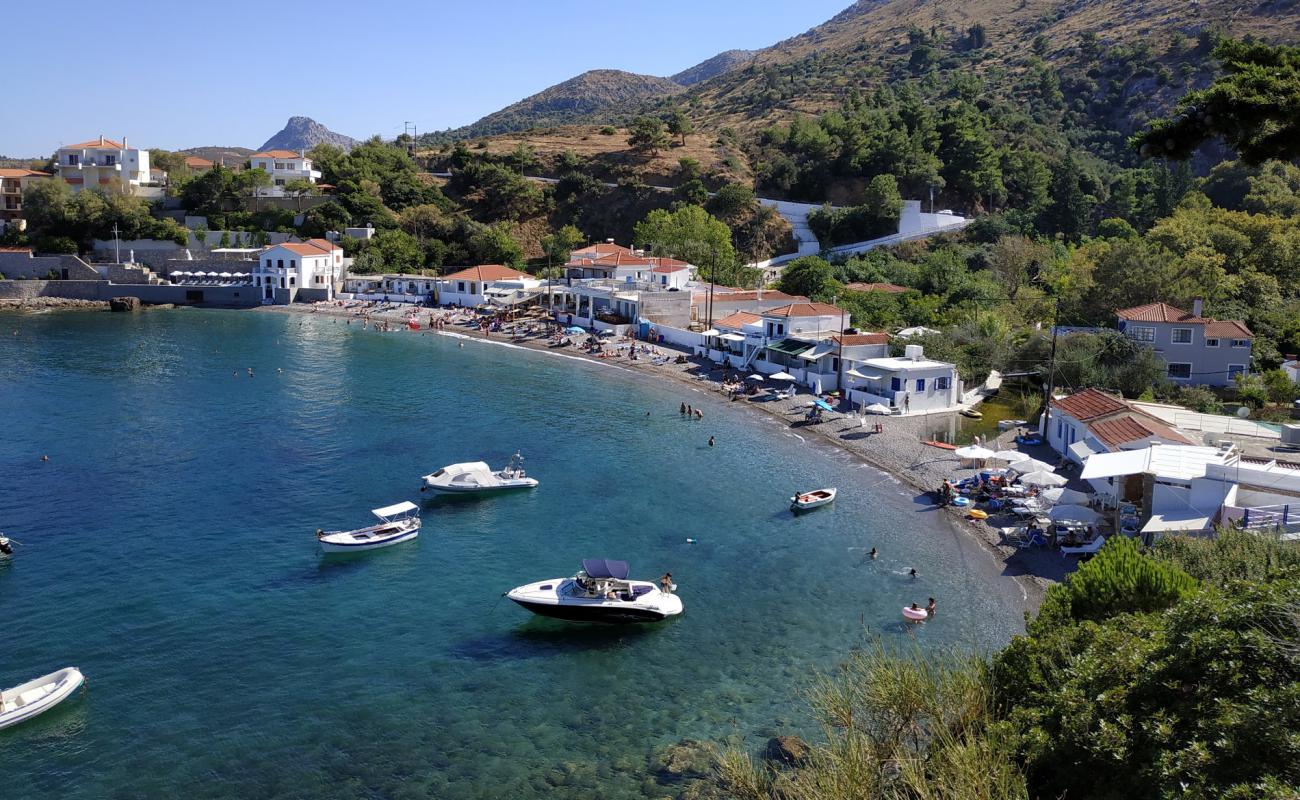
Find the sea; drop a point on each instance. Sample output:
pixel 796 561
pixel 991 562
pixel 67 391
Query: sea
pixel 167 548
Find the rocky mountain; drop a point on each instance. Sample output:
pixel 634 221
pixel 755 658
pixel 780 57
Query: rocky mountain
pixel 710 68
pixel 598 92
pixel 304 133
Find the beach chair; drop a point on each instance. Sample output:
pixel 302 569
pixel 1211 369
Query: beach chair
pixel 1015 536
pixel 1084 549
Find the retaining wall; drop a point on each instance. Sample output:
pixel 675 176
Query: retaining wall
pixel 238 296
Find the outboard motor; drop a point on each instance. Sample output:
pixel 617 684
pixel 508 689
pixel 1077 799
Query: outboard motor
pixel 5 547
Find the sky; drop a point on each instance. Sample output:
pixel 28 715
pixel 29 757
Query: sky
pixel 186 74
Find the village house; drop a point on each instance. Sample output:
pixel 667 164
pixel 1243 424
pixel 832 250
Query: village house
pixel 1197 350
pixel 198 165
pixel 294 271
pixel 473 286
pixel 392 288
pixel 1092 421
pixel 907 384
pixel 13 182
pixel 105 164
pixel 284 167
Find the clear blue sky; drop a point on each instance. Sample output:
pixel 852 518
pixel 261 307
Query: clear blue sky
pixel 182 74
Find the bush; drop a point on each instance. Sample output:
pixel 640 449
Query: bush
pixel 1200 399
pixel 1251 390
pixel 1118 580
pixel 608 130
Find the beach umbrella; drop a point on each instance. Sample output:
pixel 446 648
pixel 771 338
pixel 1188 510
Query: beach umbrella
pixel 782 376
pixel 756 377
pixel 877 408
pixel 1043 479
pixel 1062 496
pixel 225 275
pixel 200 274
pixel 1032 465
pixel 1071 513
pixel 973 453
pixel 1011 456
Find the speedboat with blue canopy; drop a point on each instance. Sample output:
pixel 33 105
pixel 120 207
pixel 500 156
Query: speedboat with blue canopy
pixel 600 592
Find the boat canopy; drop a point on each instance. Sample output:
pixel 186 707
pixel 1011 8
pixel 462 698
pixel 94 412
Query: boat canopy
pixel 392 511
pixel 605 568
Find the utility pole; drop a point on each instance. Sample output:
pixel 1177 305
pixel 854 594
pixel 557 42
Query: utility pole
pixel 117 245
pixel 1051 370
pixel 839 356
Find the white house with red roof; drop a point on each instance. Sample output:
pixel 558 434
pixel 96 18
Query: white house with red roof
pixel 13 182
pixel 475 286
pixel 105 164
pixel 284 167
pixel 1197 350
pixel 1092 421
pixel 295 271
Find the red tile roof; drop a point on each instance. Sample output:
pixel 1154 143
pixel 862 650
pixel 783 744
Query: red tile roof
pixel 1163 312
pixel 486 272
pixel 666 268
pixel 26 250
pixel 721 296
pixel 277 154
pixel 737 320
pixel 601 249
pixel 804 310
pixel 1122 430
pixel 100 142
pixel 8 172
pixel 876 287
pixel 194 162
pixel 1090 404
pixel 850 339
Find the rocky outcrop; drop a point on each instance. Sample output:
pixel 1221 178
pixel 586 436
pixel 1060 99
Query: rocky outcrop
pixel 789 750
pixel 124 304
pixel 304 133
pixel 689 758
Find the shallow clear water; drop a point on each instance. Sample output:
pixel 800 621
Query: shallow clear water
pixel 168 552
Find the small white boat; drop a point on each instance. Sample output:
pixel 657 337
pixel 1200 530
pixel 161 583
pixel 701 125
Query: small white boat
pixel 35 697
pixel 971 413
pixel 397 523
pixel 806 501
pixel 1008 424
pixel 600 592
pixel 476 477
pixel 6 547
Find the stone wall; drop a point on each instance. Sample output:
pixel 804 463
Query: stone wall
pixel 22 264
pixel 238 296
pixel 72 290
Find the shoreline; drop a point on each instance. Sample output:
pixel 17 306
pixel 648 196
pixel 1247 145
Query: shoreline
pixel 897 451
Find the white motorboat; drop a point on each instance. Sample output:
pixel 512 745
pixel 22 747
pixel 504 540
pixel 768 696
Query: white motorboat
pixel 6 547
pixel 397 523
pixel 601 592
pixel 35 697
pixel 477 476
pixel 806 501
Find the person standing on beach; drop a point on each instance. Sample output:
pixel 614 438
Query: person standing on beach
pixel 907 403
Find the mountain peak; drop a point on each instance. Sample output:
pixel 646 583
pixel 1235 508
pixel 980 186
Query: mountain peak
pixel 304 133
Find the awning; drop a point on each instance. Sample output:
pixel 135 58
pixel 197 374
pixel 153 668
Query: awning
pixel 818 351
pixel 864 376
pixel 394 510
pixel 791 347
pixel 711 332
pixel 1113 465
pixel 605 568
pixel 732 337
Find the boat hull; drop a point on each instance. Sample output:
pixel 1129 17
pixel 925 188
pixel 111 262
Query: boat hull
pixel 601 614
pixel 444 489
pixel 358 547
pixel 70 681
pixel 555 599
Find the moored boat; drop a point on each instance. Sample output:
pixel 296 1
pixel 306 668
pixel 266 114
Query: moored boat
pixel 600 592
pixel 477 477
pixel 1008 424
pixel 806 501
pixel 35 697
pixel 971 413
pixel 397 523
pixel 6 547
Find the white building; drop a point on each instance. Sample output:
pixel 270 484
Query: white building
pixel 13 182
pixel 105 164
pixel 1292 370
pixel 284 166
pixel 909 384
pixel 1092 421
pixel 298 271
pixel 473 286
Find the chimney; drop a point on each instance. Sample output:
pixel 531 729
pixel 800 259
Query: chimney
pixel 101 140
pixel 1197 306
pixel 123 142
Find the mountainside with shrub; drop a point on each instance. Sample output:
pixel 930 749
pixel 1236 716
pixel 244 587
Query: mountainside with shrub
pixel 712 67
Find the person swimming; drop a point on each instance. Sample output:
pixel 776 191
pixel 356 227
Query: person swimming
pixel 873 553
pixel 911 573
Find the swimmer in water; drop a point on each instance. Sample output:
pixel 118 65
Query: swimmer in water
pixel 710 441
pixel 911 573
pixel 873 553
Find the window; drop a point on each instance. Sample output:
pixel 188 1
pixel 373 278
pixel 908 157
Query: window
pixel 1141 334
pixel 1236 369
pixel 895 384
pixel 292 280
pixel 1180 372
pixel 73 159
pixel 279 262
pixel 460 286
pixel 1181 336
pixel 1060 430
pixel 1241 343
pixel 920 384
pixel 293 263
pixel 109 161
pixel 942 383
pixel 780 329
pixel 1211 342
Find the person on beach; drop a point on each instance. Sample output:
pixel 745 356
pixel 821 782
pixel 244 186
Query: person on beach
pixel 929 608
pixel 907 403
pixel 710 441
pixel 666 583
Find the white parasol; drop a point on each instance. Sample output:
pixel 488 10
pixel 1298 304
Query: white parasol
pixel 1071 513
pixel 1043 479
pixel 1011 456
pixel 973 452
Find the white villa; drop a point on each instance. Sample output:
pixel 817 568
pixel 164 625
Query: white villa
pixel 13 182
pixel 910 383
pixel 298 271
pixel 284 166
pixel 474 286
pixel 106 164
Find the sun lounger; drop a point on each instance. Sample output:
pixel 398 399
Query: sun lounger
pixel 1085 549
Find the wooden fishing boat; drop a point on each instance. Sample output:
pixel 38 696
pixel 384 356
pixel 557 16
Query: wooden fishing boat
pixel 806 501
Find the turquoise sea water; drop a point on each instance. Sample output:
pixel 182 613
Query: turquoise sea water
pixel 168 552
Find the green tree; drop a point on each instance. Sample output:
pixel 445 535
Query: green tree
pixel 689 233
pixel 1253 107
pixel 680 125
pixel 646 135
pixel 495 244
pixel 807 276
pixel 1281 389
pixel 559 246
pixel 1069 212
pixel 732 203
